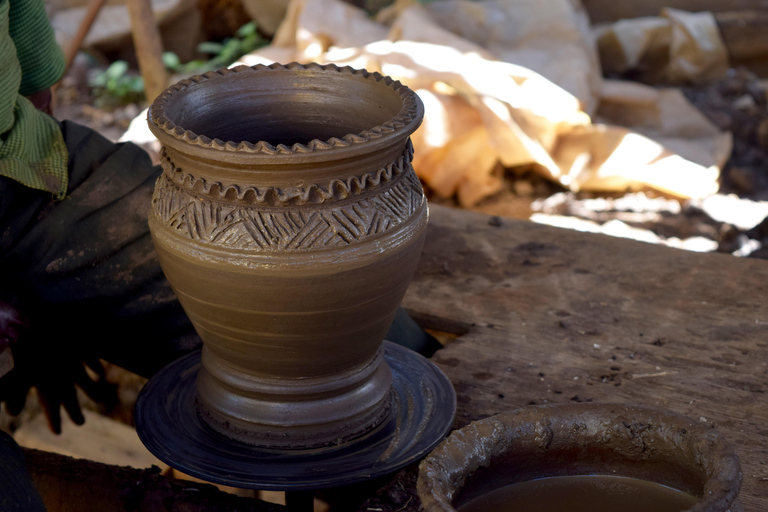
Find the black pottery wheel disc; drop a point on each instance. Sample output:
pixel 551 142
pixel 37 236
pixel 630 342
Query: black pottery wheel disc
pixel 168 424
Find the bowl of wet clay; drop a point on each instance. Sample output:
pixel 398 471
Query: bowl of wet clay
pixel 582 457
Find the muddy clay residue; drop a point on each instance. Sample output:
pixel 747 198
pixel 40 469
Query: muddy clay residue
pixel 586 493
pixel 533 443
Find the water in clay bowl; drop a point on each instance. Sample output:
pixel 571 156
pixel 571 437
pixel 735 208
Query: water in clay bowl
pixel 582 458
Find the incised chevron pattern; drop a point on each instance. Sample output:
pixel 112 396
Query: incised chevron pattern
pixel 288 228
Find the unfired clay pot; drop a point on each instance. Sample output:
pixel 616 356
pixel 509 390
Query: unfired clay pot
pixel 289 221
pixel 582 439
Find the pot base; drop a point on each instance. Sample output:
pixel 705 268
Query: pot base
pixel 169 425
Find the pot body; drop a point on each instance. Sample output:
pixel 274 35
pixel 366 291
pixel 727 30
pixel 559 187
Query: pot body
pixel 290 257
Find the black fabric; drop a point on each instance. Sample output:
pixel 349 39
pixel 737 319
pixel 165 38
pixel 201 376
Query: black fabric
pixel 84 268
pixel 17 493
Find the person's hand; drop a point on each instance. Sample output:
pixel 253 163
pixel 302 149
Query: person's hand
pixel 12 324
pixel 52 366
pixel 6 359
pixel 43 101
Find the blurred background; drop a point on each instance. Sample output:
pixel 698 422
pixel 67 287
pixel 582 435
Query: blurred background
pixel 643 119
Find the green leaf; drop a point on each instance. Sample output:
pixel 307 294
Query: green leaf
pixel 99 80
pixel 171 60
pixel 117 69
pixel 195 66
pixel 247 30
pixel 136 84
pixel 210 48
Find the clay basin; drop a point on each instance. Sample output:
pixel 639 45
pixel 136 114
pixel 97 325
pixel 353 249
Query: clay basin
pixel 582 439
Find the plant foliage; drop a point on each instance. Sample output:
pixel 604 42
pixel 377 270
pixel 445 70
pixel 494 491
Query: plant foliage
pixel 118 85
pixel 246 40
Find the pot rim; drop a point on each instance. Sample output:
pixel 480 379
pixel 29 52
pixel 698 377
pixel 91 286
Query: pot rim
pixel 397 128
pixel 442 475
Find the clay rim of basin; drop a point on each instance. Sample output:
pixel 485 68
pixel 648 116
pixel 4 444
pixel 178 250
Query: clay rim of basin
pixel 630 435
pixel 402 124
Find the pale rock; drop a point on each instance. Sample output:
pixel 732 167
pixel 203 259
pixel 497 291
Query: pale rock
pixel 745 214
pixel 676 47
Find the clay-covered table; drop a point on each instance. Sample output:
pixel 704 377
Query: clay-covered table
pixel 546 315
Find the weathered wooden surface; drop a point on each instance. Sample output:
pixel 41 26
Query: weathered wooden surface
pixel 78 485
pixel 552 316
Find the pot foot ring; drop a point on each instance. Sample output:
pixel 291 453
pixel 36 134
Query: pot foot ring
pixel 169 425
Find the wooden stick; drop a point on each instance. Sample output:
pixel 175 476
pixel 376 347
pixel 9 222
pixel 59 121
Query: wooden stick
pixel 94 6
pixel 149 48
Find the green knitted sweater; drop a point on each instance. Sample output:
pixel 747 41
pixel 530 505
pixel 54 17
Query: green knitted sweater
pixel 32 149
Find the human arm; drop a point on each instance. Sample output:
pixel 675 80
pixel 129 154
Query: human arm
pixel 40 58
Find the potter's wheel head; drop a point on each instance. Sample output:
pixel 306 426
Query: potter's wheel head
pixel 168 423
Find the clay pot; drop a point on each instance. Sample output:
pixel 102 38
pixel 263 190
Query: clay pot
pixel 289 221
pixel 582 439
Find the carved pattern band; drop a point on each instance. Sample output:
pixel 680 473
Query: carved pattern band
pixel 336 189
pixel 247 227
pixel 408 113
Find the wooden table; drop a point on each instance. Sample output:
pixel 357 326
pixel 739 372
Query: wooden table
pixel 545 315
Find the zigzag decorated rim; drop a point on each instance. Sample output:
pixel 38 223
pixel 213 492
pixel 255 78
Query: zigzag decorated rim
pixel 336 189
pixel 408 113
